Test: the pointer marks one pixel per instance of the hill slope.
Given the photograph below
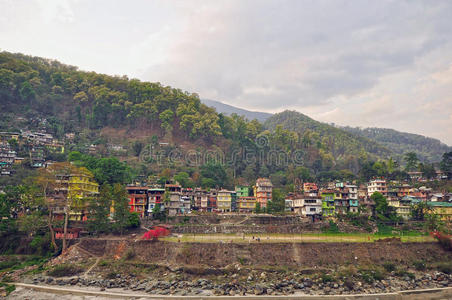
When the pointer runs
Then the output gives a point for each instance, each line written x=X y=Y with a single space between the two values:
x=340 y=142
x=229 y=110
x=426 y=148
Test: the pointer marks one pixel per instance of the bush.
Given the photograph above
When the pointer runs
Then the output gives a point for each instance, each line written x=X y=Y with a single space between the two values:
x=389 y=266
x=130 y=254
x=445 y=267
x=369 y=275
x=134 y=220
x=64 y=270
x=403 y=273
x=8 y=264
x=419 y=265
x=327 y=278
x=332 y=228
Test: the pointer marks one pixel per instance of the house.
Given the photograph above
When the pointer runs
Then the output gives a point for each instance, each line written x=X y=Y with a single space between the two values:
x=224 y=201
x=246 y=204
x=288 y=205
x=377 y=185
x=443 y=209
x=212 y=200
x=352 y=198
x=403 y=205
x=341 y=200
x=155 y=197
x=138 y=199
x=185 y=205
x=309 y=187
x=307 y=206
x=74 y=190
x=200 y=199
x=174 y=195
x=263 y=191
x=242 y=191
x=328 y=208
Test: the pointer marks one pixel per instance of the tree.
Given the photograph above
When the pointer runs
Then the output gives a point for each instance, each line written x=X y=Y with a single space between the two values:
x=7 y=207
x=446 y=164
x=419 y=210
x=121 y=208
x=277 y=204
x=411 y=161
x=137 y=148
x=53 y=183
x=215 y=172
x=428 y=170
x=257 y=208
x=99 y=210
x=383 y=211
x=184 y=179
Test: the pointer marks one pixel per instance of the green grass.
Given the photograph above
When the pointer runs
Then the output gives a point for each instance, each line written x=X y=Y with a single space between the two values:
x=291 y=238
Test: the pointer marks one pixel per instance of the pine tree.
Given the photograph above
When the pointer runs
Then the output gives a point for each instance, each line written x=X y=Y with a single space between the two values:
x=121 y=207
x=99 y=210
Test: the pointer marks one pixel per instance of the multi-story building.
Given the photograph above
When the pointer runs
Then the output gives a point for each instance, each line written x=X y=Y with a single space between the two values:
x=443 y=209
x=341 y=200
x=377 y=185
x=212 y=200
x=242 y=191
x=224 y=201
x=201 y=199
x=263 y=191
x=75 y=192
x=352 y=197
x=7 y=158
x=155 y=197
x=138 y=199
x=174 y=193
x=328 y=208
x=307 y=206
x=310 y=187
x=246 y=204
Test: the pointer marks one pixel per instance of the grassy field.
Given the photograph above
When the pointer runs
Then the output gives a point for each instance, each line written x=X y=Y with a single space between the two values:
x=292 y=238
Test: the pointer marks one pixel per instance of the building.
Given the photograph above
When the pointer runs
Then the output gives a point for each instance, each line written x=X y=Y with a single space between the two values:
x=7 y=158
x=138 y=199
x=443 y=209
x=310 y=187
x=200 y=200
x=242 y=191
x=246 y=204
x=352 y=198
x=307 y=206
x=328 y=208
x=212 y=200
x=377 y=185
x=155 y=197
x=73 y=191
x=263 y=191
x=341 y=200
x=224 y=201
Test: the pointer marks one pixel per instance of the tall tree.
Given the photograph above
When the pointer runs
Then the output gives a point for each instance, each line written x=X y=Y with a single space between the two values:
x=121 y=208
x=411 y=161
x=446 y=164
x=99 y=210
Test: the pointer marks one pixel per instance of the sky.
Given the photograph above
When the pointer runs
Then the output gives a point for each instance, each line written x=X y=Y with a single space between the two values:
x=358 y=63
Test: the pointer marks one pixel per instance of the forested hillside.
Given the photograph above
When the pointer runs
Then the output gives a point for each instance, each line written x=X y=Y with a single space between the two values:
x=164 y=130
x=427 y=149
x=229 y=110
x=340 y=142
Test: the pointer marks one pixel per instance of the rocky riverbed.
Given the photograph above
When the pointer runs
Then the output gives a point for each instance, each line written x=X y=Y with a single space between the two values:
x=250 y=287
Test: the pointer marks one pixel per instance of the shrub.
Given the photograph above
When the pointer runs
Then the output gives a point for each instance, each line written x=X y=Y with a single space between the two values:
x=403 y=273
x=8 y=264
x=327 y=278
x=419 y=265
x=130 y=254
x=110 y=275
x=389 y=266
x=133 y=220
x=445 y=267
x=64 y=270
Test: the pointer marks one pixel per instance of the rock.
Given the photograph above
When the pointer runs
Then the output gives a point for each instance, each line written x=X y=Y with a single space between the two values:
x=263 y=275
x=258 y=290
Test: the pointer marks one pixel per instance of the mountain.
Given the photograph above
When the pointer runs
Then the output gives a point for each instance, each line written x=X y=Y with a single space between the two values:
x=427 y=149
x=229 y=110
x=340 y=142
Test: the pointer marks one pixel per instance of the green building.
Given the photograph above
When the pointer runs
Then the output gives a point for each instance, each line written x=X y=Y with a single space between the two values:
x=328 y=208
x=242 y=191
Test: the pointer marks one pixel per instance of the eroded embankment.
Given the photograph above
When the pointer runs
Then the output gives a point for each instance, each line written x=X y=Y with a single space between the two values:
x=269 y=254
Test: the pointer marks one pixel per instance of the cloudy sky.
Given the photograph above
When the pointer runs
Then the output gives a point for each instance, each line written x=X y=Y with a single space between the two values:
x=359 y=63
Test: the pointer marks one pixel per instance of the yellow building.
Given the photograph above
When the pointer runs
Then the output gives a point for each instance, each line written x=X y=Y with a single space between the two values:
x=443 y=209
x=81 y=188
x=246 y=204
x=224 y=200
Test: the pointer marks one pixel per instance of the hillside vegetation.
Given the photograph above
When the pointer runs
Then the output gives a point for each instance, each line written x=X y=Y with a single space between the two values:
x=38 y=93
x=427 y=149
